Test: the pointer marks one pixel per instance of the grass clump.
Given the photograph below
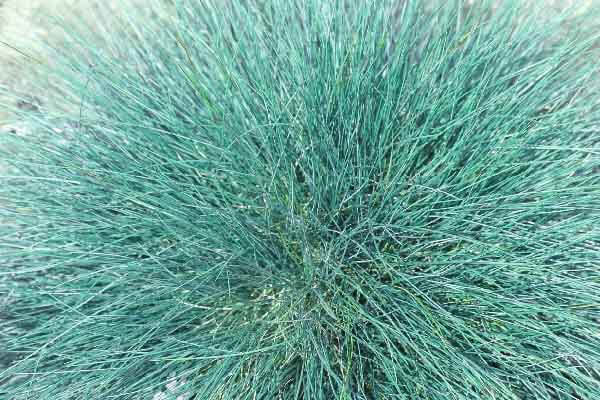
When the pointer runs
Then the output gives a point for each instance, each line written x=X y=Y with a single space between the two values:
x=307 y=200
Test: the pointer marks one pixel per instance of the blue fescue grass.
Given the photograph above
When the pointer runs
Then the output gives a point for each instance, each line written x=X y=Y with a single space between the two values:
x=307 y=200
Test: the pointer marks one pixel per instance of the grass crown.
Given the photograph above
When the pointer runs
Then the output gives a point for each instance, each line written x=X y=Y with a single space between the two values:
x=307 y=200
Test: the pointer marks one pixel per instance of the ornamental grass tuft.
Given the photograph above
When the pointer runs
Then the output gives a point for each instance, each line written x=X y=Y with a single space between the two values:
x=305 y=200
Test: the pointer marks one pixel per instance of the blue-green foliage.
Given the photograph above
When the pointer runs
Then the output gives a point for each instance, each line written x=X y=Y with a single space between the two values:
x=308 y=200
